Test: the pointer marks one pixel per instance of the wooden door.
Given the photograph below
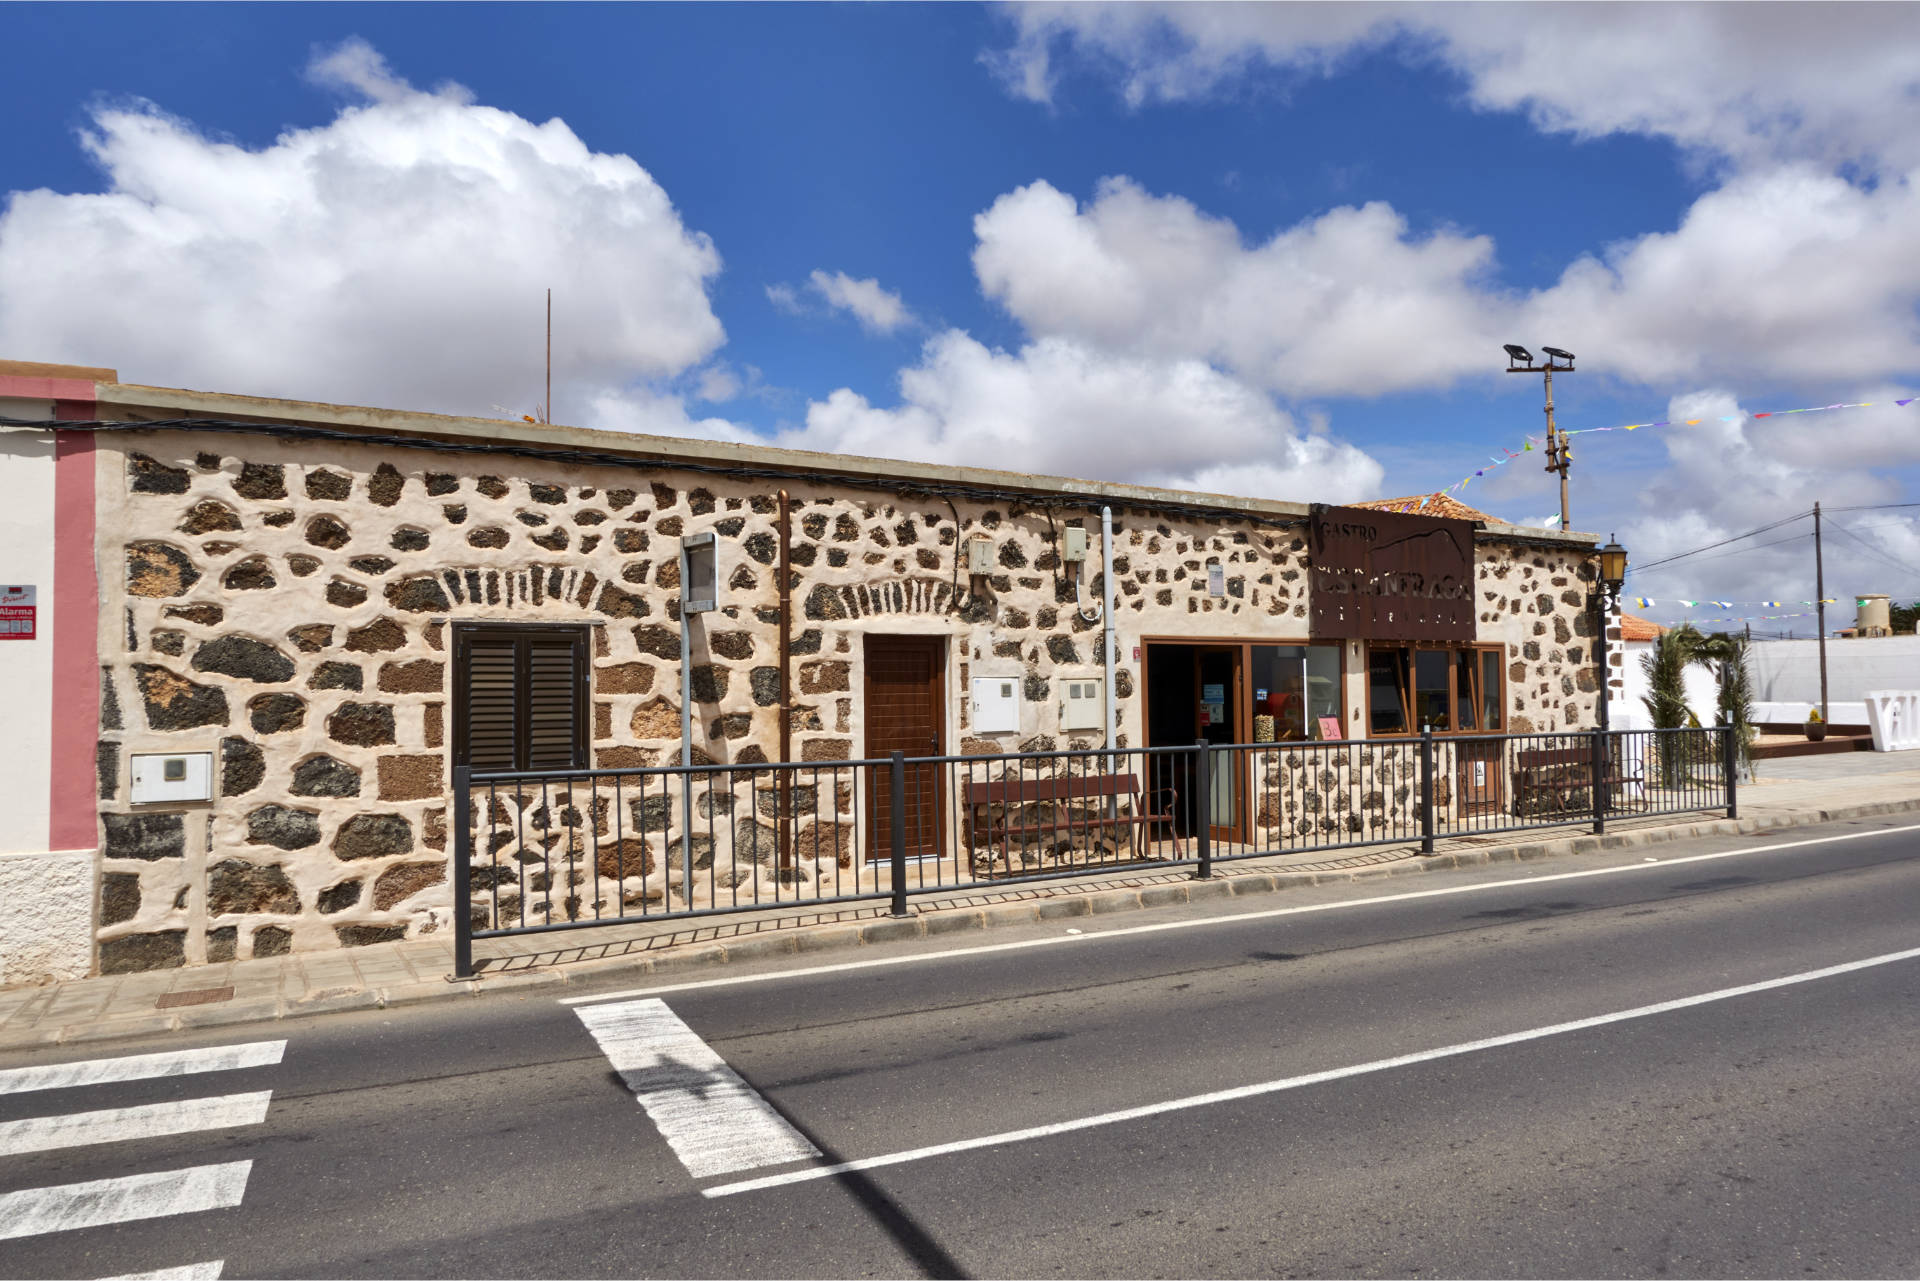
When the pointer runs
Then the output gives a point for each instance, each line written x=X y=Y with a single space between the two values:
x=904 y=713
x=1477 y=776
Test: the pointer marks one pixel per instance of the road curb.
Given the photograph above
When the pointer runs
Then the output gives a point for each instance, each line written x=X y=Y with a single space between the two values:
x=1065 y=902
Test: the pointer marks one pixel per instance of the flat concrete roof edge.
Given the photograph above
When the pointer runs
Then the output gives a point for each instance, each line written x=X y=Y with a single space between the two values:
x=668 y=449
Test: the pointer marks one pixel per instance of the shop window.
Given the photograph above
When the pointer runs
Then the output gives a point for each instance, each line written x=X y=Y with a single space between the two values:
x=520 y=696
x=1295 y=687
x=1446 y=690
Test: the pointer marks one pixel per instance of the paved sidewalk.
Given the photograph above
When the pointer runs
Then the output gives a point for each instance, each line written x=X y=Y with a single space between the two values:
x=395 y=974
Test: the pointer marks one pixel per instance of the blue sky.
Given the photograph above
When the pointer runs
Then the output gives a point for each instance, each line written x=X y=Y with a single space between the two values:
x=1261 y=250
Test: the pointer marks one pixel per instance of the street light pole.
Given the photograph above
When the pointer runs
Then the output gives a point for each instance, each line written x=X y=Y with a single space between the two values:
x=1613 y=574
x=1559 y=451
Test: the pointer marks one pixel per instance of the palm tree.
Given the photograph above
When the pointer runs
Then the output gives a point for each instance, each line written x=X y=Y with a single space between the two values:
x=1666 y=699
x=1734 y=703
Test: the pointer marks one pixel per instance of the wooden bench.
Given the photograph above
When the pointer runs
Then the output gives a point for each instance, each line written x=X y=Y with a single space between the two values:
x=1545 y=780
x=1003 y=813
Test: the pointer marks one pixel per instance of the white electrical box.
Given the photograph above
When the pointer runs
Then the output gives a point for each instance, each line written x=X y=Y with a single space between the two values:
x=1080 y=705
x=1076 y=544
x=979 y=556
x=172 y=776
x=699 y=574
x=996 y=704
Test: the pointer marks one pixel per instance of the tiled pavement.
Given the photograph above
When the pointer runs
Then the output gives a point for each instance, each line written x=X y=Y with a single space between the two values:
x=418 y=970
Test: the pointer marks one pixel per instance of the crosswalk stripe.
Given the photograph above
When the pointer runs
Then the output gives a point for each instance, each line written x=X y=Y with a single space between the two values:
x=72 y=1206
x=185 y=1272
x=715 y=1122
x=120 y=1125
x=140 y=1067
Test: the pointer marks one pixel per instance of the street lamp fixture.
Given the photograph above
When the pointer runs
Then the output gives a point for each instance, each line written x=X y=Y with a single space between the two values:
x=1521 y=357
x=1613 y=574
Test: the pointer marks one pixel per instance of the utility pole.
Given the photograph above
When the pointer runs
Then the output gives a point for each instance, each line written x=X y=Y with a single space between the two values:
x=1820 y=608
x=547 y=412
x=1559 y=450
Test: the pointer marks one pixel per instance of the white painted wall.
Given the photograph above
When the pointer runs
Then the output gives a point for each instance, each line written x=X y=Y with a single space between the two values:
x=26 y=667
x=1627 y=711
x=1788 y=671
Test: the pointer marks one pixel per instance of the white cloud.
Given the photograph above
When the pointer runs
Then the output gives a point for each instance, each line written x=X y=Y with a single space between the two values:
x=1748 y=82
x=787 y=299
x=1063 y=407
x=878 y=310
x=397 y=255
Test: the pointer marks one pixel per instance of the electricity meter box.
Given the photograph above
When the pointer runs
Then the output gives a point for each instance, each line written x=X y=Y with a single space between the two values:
x=979 y=556
x=1081 y=704
x=171 y=776
x=1076 y=544
x=700 y=576
x=996 y=704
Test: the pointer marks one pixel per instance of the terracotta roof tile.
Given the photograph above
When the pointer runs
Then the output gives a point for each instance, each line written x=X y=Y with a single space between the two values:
x=1435 y=504
x=1634 y=628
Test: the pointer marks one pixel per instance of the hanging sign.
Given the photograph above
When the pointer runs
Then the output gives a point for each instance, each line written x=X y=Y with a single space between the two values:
x=1389 y=576
x=18 y=613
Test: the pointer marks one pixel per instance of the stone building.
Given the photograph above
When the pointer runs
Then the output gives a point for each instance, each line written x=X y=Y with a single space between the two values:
x=306 y=598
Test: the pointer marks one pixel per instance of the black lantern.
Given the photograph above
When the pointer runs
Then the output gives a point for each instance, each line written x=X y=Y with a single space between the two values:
x=1613 y=573
x=1613 y=568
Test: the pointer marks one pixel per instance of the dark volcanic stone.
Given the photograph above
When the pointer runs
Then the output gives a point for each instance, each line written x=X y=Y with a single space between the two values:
x=235 y=886
x=328 y=532
x=272 y=940
x=106 y=768
x=119 y=897
x=242 y=766
x=165 y=950
x=222 y=943
x=311 y=638
x=385 y=485
x=361 y=724
x=374 y=565
x=251 y=575
x=491 y=486
x=403 y=880
x=708 y=683
x=409 y=540
x=146 y=476
x=338 y=898
x=283 y=828
x=244 y=658
x=347 y=595
x=173 y=644
x=422 y=595
x=439 y=482
x=373 y=836
x=209 y=516
x=366 y=935
x=173 y=702
x=549 y=494
x=1061 y=649
x=333 y=486
x=261 y=481
x=626 y=539
x=332 y=675
x=765 y=683
x=159 y=569
x=276 y=713
x=277 y=519
x=380 y=636
x=324 y=776
x=456 y=513
x=762 y=547
x=824 y=604
x=731 y=644
x=145 y=836
x=301 y=565
x=204 y=615
x=658 y=640
x=487 y=536
x=554 y=540
x=616 y=603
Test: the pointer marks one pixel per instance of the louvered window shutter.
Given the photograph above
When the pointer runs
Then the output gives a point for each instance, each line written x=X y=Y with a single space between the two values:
x=520 y=697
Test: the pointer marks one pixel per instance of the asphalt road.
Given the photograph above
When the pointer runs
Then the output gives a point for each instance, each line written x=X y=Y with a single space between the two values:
x=1770 y=1132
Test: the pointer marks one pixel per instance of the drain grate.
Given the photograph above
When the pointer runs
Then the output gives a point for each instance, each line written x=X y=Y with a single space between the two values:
x=198 y=996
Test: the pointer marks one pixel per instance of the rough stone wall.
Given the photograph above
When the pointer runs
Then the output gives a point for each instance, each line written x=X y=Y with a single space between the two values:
x=1536 y=603
x=282 y=604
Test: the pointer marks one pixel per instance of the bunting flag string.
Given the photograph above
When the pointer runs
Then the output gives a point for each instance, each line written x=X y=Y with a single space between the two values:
x=1531 y=441
x=1647 y=602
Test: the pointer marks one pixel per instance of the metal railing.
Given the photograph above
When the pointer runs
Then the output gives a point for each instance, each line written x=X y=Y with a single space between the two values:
x=569 y=849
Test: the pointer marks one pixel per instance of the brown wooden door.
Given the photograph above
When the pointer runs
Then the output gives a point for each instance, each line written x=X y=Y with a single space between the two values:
x=1220 y=711
x=1477 y=775
x=904 y=709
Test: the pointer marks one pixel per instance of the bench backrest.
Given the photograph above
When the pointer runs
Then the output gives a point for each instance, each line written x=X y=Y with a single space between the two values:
x=1561 y=756
x=1065 y=787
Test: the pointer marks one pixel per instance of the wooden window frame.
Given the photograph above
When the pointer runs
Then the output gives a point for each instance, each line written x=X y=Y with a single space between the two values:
x=461 y=634
x=1243 y=701
x=1453 y=687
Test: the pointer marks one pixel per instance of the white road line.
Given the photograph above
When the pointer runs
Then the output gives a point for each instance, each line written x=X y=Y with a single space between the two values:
x=185 y=1272
x=138 y=1196
x=140 y=1067
x=122 y=1125
x=715 y=1122
x=1204 y=922
x=1295 y=1082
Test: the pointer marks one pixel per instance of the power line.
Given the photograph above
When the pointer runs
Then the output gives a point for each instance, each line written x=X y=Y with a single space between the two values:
x=1882 y=554
x=1668 y=560
x=1782 y=542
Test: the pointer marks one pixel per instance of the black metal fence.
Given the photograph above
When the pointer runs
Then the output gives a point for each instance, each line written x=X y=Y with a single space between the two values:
x=568 y=849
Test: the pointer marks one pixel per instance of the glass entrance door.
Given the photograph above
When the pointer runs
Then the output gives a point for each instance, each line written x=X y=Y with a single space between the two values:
x=1217 y=698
